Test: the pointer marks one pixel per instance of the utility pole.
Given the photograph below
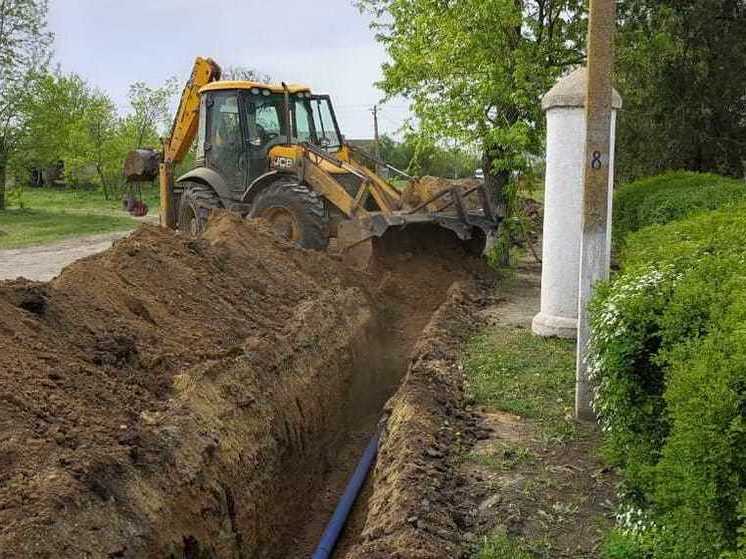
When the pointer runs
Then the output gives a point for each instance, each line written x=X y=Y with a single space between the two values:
x=594 y=246
x=377 y=137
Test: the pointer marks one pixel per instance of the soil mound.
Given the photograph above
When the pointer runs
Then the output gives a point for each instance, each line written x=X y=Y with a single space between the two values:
x=174 y=397
x=145 y=382
x=417 y=508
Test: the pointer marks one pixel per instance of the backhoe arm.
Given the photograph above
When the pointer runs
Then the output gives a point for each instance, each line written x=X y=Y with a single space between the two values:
x=183 y=131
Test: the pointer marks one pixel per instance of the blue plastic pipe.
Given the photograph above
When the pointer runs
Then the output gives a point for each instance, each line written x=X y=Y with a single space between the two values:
x=336 y=524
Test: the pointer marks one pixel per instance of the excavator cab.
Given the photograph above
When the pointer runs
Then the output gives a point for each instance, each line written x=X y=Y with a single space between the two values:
x=242 y=125
x=276 y=152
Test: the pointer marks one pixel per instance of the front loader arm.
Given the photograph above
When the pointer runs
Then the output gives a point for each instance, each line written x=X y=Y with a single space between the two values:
x=183 y=131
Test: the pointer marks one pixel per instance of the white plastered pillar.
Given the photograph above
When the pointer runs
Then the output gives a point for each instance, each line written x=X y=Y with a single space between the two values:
x=563 y=204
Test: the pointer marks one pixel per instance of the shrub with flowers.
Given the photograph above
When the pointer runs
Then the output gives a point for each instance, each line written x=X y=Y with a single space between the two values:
x=668 y=363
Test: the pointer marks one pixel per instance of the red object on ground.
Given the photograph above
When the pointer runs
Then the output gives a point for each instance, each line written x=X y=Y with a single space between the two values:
x=139 y=209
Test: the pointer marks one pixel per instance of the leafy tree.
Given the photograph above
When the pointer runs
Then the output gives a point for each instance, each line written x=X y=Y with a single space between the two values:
x=67 y=120
x=150 y=110
x=242 y=73
x=52 y=111
x=24 y=50
x=474 y=70
x=682 y=73
x=418 y=156
x=107 y=145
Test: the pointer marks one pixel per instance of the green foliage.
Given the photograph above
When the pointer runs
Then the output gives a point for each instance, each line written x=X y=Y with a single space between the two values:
x=67 y=120
x=419 y=157
x=670 y=196
x=475 y=69
x=43 y=215
x=24 y=52
x=668 y=359
x=681 y=71
x=500 y=547
x=150 y=112
x=629 y=382
x=623 y=545
x=716 y=233
x=517 y=372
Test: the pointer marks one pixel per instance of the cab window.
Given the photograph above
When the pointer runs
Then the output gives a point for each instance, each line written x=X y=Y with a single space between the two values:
x=268 y=117
x=325 y=124
x=304 y=131
x=225 y=125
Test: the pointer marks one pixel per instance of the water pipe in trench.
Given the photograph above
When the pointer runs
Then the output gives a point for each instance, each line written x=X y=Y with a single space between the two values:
x=342 y=512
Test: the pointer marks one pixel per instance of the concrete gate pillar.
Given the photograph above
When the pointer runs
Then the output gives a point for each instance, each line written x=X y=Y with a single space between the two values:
x=563 y=203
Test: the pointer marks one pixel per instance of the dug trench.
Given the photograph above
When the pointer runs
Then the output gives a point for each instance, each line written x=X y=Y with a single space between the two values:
x=208 y=398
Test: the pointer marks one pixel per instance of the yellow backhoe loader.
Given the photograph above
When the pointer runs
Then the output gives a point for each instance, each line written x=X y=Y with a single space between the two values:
x=276 y=152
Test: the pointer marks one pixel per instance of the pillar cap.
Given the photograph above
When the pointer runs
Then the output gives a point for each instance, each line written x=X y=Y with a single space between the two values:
x=571 y=90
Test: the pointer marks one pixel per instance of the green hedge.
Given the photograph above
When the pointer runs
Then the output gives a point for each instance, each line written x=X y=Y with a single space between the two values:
x=665 y=198
x=668 y=359
x=716 y=232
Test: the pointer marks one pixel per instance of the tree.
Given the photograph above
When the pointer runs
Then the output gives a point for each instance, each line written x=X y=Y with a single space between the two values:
x=52 y=112
x=418 y=156
x=24 y=51
x=67 y=120
x=242 y=73
x=150 y=110
x=101 y=146
x=682 y=73
x=474 y=70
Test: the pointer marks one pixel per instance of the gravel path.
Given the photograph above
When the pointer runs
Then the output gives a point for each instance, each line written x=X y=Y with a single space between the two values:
x=42 y=263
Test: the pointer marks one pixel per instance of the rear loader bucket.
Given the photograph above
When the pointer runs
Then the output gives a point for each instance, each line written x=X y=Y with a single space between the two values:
x=141 y=165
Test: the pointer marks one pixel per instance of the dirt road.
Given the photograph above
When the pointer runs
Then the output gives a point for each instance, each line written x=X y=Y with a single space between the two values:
x=42 y=263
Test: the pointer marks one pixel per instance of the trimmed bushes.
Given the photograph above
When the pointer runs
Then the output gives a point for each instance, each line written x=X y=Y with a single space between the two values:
x=668 y=361
x=665 y=198
x=717 y=232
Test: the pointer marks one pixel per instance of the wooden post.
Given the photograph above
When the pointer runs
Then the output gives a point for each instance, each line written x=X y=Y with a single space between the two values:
x=593 y=253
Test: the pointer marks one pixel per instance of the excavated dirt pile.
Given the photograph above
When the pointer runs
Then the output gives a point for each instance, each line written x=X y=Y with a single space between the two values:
x=148 y=390
x=182 y=398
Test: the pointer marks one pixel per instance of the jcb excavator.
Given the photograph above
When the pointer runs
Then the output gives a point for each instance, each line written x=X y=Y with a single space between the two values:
x=276 y=152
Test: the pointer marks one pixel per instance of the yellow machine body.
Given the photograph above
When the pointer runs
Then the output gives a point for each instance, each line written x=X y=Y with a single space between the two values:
x=361 y=205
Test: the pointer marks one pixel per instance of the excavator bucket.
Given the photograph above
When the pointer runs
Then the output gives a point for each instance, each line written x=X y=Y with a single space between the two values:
x=355 y=244
x=376 y=211
x=363 y=240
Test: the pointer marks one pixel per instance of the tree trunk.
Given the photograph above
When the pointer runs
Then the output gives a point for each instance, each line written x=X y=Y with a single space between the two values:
x=495 y=183
x=3 y=168
x=102 y=178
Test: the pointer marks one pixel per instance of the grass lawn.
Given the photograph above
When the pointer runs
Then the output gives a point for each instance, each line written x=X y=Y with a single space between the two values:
x=541 y=465
x=47 y=215
x=513 y=371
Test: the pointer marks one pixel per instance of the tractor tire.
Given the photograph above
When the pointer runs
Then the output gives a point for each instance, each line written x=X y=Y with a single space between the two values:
x=294 y=212
x=195 y=204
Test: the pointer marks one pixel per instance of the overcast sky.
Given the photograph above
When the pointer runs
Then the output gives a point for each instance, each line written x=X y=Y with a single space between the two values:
x=326 y=44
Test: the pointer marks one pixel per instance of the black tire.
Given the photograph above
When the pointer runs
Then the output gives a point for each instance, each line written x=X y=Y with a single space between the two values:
x=195 y=204
x=294 y=212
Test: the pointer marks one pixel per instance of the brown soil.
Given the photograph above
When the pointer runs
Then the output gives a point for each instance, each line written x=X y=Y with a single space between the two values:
x=416 y=505
x=177 y=398
x=428 y=187
x=415 y=275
